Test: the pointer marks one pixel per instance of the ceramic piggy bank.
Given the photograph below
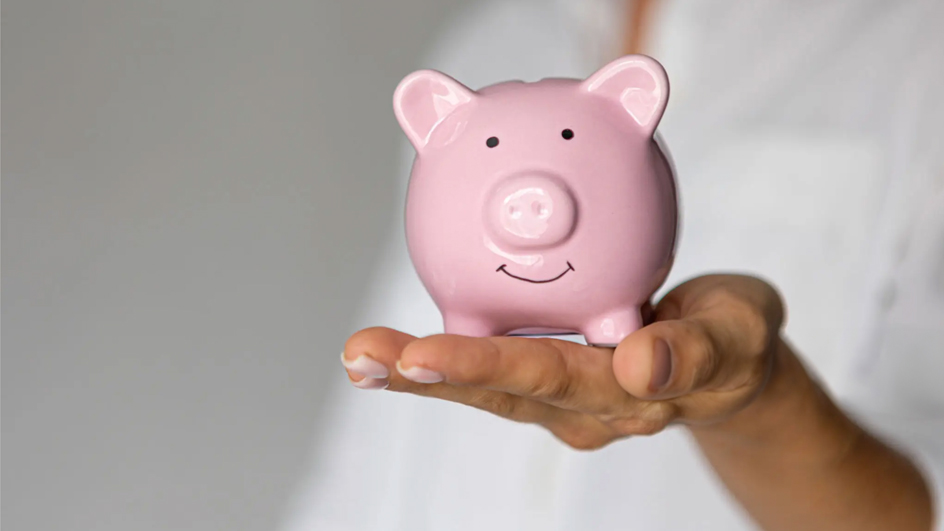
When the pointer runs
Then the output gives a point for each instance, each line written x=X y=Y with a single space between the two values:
x=540 y=208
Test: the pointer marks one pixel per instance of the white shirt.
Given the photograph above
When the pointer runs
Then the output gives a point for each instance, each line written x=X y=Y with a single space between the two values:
x=807 y=138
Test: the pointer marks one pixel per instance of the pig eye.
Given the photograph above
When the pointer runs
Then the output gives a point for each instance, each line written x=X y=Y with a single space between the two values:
x=567 y=134
x=492 y=141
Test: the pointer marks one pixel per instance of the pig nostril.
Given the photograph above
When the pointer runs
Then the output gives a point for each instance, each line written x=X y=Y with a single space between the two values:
x=530 y=211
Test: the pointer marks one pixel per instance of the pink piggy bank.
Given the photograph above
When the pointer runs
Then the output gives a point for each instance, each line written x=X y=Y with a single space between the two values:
x=540 y=208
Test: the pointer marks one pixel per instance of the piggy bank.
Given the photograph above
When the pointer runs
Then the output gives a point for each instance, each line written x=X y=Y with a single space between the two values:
x=540 y=208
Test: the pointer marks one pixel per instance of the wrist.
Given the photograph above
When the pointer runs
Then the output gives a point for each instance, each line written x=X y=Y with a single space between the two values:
x=792 y=413
x=795 y=461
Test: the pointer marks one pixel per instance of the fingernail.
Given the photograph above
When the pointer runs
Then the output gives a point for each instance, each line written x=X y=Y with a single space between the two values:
x=371 y=383
x=420 y=375
x=661 y=365
x=365 y=366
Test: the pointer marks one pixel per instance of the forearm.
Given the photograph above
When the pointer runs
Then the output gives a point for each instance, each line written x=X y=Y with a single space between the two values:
x=795 y=462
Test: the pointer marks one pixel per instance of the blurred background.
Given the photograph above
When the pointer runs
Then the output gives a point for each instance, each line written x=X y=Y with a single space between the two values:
x=193 y=194
x=197 y=196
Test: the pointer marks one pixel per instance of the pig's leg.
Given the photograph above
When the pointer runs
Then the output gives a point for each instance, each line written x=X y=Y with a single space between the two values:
x=469 y=326
x=610 y=328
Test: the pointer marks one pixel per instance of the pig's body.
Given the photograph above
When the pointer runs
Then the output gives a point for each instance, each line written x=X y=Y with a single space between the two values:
x=566 y=222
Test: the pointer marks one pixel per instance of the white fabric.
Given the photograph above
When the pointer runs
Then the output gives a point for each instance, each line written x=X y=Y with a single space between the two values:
x=807 y=138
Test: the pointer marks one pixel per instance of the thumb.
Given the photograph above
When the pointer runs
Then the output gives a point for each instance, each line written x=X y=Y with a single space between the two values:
x=673 y=358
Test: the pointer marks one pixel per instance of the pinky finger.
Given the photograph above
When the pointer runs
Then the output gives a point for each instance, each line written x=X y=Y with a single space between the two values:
x=577 y=430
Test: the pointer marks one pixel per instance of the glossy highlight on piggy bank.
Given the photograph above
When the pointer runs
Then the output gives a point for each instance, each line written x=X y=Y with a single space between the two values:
x=545 y=207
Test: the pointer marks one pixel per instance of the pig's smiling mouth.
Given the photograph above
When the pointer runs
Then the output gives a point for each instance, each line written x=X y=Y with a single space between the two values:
x=505 y=271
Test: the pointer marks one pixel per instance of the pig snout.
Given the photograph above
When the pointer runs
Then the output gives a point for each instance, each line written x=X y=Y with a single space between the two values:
x=530 y=211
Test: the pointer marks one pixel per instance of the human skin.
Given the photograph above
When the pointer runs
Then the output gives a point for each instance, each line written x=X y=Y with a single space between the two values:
x=713 y=360
x=772 y=434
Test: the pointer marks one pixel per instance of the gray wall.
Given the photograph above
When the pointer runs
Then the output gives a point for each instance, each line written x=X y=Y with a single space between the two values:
x=192 y=194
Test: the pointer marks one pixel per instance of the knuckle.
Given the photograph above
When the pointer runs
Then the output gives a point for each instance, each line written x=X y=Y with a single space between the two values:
x=503 y=405
x=757 y=332
x=749 y=318
x=581 y=439
x=556 y=383
x=721 y=297
x=634 y=426
x=639 y=426
x=559 y=388
x=649 y=421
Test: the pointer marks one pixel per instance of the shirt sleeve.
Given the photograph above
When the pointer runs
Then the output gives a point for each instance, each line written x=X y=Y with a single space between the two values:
x=896 y=392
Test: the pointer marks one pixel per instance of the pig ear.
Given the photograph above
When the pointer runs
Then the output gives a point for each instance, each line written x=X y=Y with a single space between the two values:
x=423 y=100
x=638 y=84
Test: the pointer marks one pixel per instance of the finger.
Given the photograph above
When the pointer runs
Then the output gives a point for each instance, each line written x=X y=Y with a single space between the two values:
x=560 y=373
x=383 y=346
x=370 y=356
x=720 y=341
x=577 y=429
x=710 y=291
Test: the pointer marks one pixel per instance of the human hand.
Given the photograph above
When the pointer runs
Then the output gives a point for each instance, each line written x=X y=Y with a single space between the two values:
x=707 y=353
